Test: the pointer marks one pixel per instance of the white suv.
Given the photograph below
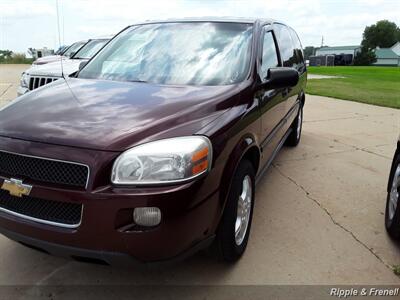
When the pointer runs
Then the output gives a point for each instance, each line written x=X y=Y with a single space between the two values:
x=39 y=75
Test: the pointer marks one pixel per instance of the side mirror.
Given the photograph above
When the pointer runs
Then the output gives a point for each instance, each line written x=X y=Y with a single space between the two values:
x=82 y=64
x=281 y=78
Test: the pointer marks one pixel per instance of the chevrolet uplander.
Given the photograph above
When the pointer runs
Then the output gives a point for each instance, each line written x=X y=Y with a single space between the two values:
x=151 y=151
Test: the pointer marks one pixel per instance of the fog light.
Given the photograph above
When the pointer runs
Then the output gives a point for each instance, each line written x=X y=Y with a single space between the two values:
x=147 y=216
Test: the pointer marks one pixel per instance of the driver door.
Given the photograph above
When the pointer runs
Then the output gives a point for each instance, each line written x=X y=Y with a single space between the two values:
x=272 y=101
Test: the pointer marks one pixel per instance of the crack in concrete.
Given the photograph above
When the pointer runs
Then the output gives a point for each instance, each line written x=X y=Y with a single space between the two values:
x=331 y=153
x=336 y=223
x=383 y=145
x=354 y=148
x=335 y=140
x=371 y=152
x=335 y=119
x=361 y=149
x=315 y=156
x=361 y=117
x=5 y=91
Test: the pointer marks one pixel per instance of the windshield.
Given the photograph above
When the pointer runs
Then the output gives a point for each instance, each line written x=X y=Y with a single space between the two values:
x=73 y=48
x=197 y=53
x=90 y=49
x=61 y=50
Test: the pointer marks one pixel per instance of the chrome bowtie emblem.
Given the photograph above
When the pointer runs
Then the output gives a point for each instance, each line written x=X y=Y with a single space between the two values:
x=16 y=188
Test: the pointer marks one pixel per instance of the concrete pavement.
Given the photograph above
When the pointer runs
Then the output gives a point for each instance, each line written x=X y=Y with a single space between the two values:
x=9 y=81
x=318 y=215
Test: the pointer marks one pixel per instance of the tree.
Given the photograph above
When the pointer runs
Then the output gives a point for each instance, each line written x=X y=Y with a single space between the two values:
x=365 y=58
x=20 y=58
x=383 y=34
x=308 y=51
x=5 y=55
x=9 y=57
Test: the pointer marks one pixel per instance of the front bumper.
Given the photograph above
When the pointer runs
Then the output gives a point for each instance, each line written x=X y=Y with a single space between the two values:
x=101 y=257
x=190 y=212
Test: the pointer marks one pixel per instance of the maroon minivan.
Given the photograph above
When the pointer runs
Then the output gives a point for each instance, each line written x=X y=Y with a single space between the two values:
x=151 y=151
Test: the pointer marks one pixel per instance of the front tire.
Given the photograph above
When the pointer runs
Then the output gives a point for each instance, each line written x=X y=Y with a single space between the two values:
x=392 y=213
x=234 y=230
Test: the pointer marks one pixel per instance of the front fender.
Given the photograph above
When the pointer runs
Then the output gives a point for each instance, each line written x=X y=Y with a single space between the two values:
x=246 y=142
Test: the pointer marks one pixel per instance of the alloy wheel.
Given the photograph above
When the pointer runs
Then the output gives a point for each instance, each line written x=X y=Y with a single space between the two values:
x=243 y=210
x=394 y=193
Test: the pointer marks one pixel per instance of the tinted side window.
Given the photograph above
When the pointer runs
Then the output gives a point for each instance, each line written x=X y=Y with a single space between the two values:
x=288 y=53
x=298 y=49
x=269 y=56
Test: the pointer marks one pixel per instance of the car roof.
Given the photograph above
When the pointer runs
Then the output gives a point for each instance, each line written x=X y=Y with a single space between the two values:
x=82 y=41
x=105 y=37
x=94 y=39
x=211 y=19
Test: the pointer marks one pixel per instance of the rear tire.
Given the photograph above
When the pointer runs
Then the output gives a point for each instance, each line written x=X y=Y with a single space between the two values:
x=392 y=213
x=294 y=137
x=234 y=229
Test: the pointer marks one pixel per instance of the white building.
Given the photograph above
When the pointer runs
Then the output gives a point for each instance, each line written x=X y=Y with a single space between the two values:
x=353 y=50
x=384 y=56
x=38 y=53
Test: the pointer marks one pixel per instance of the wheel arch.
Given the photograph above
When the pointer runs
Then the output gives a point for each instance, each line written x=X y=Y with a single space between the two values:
x=246 y=148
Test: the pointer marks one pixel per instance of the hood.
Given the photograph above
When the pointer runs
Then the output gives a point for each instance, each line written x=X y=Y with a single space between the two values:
x=53 y=69
x=109 y=115
x=48 y=59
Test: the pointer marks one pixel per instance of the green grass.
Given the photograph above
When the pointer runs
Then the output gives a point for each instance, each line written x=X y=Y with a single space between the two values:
x=17 y=61
x=396 y=270
x=372 y=85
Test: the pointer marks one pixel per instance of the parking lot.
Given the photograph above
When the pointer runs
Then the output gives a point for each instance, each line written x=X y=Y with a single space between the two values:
x=319 y=215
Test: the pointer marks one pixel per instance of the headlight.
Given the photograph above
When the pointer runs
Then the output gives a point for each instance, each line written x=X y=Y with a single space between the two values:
x=164 y=161
x=24 y=82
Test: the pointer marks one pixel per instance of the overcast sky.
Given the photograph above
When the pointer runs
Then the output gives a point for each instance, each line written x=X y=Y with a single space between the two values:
x=33 y=23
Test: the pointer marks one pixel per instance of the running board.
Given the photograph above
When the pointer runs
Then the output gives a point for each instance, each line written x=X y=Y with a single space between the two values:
x=274 y=154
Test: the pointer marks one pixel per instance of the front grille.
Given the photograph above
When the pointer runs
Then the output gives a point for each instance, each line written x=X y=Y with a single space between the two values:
x=40 y=210
x=38 y=81
x=44 y=170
